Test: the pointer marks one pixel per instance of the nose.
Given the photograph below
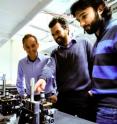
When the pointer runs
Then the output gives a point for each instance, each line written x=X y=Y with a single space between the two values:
x=30 y=49
x=55 y=37
x=82 y=23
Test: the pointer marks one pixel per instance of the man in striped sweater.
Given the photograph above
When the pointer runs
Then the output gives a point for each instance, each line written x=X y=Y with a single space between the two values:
x=96 y=17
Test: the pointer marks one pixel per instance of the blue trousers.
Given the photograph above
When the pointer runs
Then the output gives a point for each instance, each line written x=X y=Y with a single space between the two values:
x=106 y=115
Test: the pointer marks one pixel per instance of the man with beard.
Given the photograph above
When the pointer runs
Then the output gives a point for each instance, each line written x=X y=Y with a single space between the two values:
x=73 y=67
x=96 y=17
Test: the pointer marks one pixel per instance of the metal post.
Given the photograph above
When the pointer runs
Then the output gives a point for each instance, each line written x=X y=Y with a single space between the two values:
x=4 y=84
x=32 y=84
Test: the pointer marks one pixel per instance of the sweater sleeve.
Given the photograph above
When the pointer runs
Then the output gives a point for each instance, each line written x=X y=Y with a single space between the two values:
x=49 y=69
x=48 y=74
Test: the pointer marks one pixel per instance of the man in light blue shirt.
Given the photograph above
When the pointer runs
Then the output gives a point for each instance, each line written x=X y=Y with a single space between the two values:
x=33 y=66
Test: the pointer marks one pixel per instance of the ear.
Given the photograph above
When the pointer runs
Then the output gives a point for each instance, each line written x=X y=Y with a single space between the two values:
x=24 y=47
x=37 y=45
x=67 y=29
x=100 y=9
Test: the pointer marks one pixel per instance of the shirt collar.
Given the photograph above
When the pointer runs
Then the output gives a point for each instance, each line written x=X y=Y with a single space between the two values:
x=105 y=26
x=71 y=42
x=39 y=57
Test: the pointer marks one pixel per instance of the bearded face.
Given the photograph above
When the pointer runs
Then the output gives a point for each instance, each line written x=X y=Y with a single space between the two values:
x=60 y=34
x=89 y=19
x=60 y=40
x=94 y=26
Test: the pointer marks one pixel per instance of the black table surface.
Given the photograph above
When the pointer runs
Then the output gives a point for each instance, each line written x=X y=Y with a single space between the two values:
x=63 y=118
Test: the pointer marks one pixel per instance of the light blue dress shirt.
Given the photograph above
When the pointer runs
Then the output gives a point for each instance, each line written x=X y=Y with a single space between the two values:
x=28 y=70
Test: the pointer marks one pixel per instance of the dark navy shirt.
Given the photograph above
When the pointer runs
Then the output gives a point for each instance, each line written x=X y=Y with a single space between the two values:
x=72 y=66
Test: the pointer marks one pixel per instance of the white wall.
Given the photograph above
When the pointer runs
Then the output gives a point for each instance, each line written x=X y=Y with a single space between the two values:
x=10 y=53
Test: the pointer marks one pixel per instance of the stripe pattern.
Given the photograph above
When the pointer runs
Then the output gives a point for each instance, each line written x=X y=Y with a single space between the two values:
x=105 y=59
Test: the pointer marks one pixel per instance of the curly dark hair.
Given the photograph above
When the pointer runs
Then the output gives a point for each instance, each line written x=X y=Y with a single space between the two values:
x=83 y=4
x=60 y=20
x=28 y=36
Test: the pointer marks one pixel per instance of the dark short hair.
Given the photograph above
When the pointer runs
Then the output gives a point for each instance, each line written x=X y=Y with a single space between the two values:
x=83 y=4
x=60 y=20
x=28 y=36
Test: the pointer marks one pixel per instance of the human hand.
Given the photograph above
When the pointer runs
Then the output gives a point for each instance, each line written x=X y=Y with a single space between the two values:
x=24 y=96
x=53 y=98
x=90 y=93
x=40 y=85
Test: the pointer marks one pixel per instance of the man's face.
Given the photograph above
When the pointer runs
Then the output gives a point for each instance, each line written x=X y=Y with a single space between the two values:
x=89 y=20
x=59 y=34
x=31 y=46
